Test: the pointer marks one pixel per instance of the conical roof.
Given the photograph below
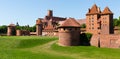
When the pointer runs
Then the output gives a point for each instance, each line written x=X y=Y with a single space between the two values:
x=107 y=11
x=94 y=10
x=12 y=25
x=39 y=21
x=71 y=22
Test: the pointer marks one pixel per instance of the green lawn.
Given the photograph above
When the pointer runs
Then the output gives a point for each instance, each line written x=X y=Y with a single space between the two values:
x=34 y=47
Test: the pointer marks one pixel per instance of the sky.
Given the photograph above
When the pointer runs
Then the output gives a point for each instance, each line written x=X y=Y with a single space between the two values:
x=25 y=12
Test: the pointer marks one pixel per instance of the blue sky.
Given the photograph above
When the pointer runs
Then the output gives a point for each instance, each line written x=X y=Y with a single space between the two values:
x=27 y=11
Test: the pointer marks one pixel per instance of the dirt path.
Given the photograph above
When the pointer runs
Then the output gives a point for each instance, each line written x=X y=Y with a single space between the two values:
x=46 y=48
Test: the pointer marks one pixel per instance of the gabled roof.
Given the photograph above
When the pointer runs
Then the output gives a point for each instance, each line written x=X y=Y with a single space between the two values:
x=107 y=11
x=94 y=10
x=71 y=22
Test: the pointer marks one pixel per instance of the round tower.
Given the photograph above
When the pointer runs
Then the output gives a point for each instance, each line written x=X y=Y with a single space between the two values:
x=11 y=30
x=38 y=27
x=18 y=32
x=69 y=33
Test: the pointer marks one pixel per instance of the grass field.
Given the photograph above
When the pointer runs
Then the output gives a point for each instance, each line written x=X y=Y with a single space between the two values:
x=34 y=47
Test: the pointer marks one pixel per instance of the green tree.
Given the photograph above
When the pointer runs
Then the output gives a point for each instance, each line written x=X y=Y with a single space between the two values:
x=3 y=29
x=83 y=26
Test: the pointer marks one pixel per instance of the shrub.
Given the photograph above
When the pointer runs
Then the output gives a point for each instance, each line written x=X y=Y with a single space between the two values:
x=85 y=39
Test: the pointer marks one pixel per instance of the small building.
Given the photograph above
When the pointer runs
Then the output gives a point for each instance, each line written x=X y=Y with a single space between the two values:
x=11 y=30
x=69 y=33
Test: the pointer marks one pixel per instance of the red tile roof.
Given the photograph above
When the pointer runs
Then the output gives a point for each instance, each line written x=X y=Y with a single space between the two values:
x=107 y=11
x=12 y=25
x=71 y=22
x=94 y=10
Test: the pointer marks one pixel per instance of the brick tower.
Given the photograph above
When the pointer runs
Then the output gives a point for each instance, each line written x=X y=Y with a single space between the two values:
x=107 y=21
x=11 y=30
x=92 y=20
x=39 y=27
x=69 y=33
x=50 y=13
x=98 y=22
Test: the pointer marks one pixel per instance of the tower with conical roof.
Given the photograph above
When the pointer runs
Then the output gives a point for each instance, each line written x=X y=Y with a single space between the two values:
x=69 y=33
x=107 y=21
x=92 y=20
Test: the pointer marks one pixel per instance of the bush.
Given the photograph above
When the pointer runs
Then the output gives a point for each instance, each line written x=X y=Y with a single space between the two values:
x=85 y=38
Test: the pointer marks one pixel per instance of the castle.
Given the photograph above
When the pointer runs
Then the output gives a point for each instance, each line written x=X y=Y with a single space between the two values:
x=99 y=23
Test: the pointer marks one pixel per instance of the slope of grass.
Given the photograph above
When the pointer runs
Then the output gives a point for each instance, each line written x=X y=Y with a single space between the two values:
x=18 y=54
x=34 y=47
x=23 y=41
x=89 y=52
x=10 y=47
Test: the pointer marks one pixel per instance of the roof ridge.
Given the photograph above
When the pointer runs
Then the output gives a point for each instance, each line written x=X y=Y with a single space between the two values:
x=107 y=11
x=71 y=22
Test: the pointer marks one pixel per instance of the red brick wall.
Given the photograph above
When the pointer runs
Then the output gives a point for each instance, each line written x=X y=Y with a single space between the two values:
x=108 y=41
x=92 y=23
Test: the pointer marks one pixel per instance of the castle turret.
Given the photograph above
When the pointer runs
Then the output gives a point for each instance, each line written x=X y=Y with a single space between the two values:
x=39 y=27
x=11 y=30
x=107 y=22
x=69 y=33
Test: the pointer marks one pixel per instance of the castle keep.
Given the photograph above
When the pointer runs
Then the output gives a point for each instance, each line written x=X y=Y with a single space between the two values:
x=48 y=24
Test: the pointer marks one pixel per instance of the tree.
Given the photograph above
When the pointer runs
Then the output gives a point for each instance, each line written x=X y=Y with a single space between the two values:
x=17 y=24
x=3 y=29
x=116 y=22
x=83 y=26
